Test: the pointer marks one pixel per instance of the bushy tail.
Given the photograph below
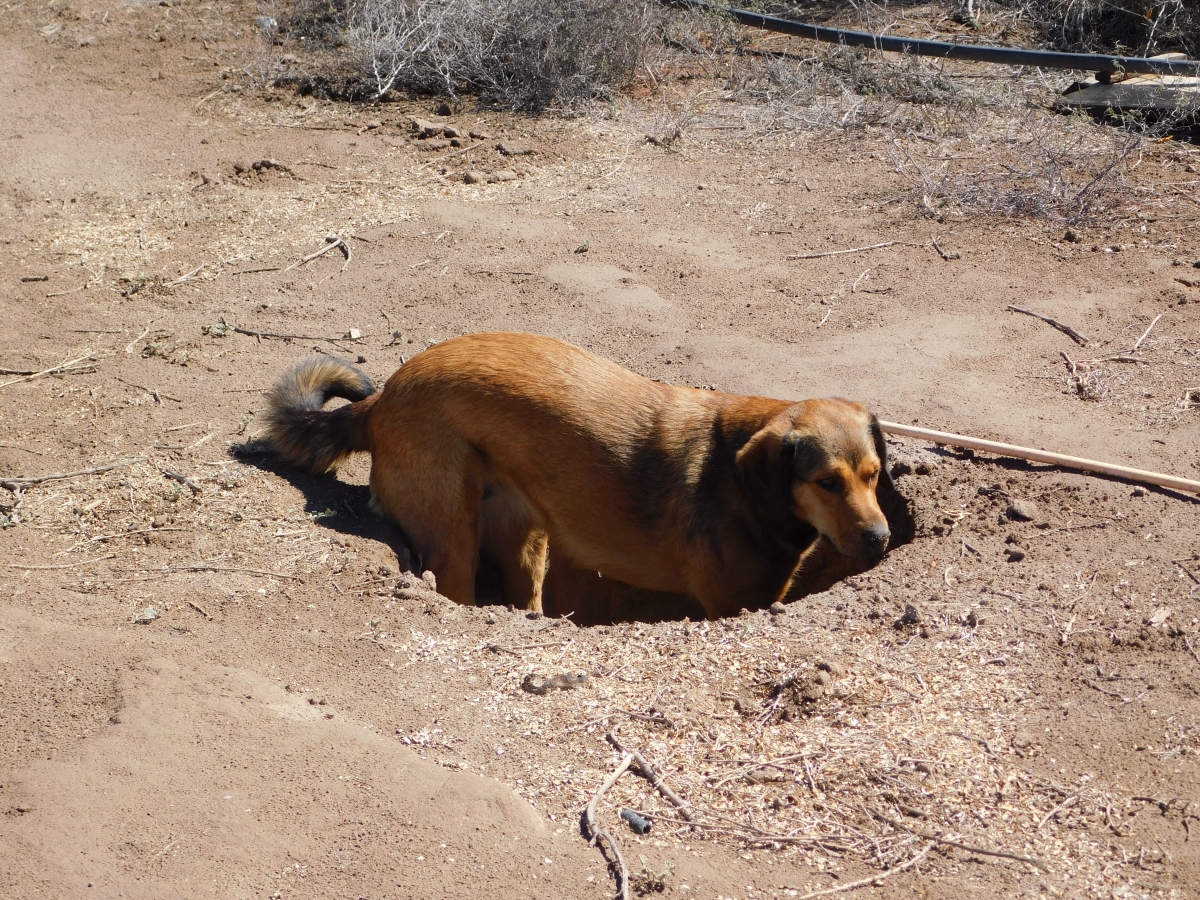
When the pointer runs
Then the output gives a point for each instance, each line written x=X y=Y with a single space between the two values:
x=302 y=431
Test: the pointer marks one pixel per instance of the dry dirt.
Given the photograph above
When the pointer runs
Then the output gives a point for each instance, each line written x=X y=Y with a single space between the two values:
x=302 y=720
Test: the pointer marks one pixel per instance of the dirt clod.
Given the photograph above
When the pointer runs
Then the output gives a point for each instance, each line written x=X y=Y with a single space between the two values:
x=1022 y=511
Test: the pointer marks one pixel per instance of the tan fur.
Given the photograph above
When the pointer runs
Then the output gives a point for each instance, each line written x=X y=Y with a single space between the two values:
x=514 y=444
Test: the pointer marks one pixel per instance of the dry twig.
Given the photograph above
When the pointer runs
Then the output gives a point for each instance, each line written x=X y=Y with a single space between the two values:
x=182 y=479
x=1065 y=329
x=332 y=241
x=851 y=250
x=1145 y=334
x=653 y=777
x=30 y=376
x=595 y=833
x=17 y=484
x=863 y=882
x=287 y=337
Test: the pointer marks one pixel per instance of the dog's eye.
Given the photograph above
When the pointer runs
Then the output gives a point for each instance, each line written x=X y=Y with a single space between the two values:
x=832 y=483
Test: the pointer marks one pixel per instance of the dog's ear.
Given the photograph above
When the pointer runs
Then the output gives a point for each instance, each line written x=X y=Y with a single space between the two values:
x=881 y=451
x=765 y=469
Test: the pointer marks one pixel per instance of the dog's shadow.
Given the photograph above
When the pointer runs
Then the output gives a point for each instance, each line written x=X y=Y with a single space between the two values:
x=344 y=508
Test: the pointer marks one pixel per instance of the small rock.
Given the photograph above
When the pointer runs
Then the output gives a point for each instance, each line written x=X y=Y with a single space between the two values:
x=430 y=580
x=456 y=142
x=146 y=616
x=1022 y=511
x=444 y=109
x=502 y=175
x=355 y=334
x=419 y=126
x=970 y=619
x=1160 y=616
x=480 y=135
x=514 y=149
x=159 y=522
x=372 y=125
x=1013 y=538
x=473 y=177
x=1139 y=491
x=490 y=618
x=533 y=614
x=1196 y=264
x=1071 y=237
x=1015 y=554
x=386 y=571
x=23 y=808
x=266 y=23
x=435 y=145
x=777 y=609
x=451 y=132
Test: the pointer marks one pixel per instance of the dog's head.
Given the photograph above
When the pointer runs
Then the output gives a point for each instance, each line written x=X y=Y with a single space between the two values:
x=820 y=461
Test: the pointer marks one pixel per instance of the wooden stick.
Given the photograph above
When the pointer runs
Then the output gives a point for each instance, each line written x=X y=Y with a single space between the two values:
x=286 y=337
x=1065 y=329
x=50 y=371
x=951 y=842
x=863 y=882
x=1145 y=334
x=851 y=250
x=1043 y=456
x=336 y=242
x=183 y=479
x=652 y=776
x=16 y=484
x=595 y=833
x=173 y=569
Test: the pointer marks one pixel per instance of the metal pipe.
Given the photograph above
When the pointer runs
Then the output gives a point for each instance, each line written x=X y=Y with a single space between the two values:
x=941 y=49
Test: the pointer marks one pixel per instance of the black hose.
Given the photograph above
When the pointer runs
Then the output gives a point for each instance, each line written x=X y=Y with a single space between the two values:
x=941 y=49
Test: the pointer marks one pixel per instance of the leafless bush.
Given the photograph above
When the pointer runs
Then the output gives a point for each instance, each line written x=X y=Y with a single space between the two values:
x=523 y=54
x=1042 y=169
x=1144 y=27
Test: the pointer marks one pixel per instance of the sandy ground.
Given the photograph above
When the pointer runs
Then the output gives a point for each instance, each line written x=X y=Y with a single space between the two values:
x=303 y=720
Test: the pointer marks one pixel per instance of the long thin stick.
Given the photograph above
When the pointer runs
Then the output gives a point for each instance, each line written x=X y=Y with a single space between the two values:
x=595 y=833
x=60 y=367
x=851 y=250
x=951 y=842
x=1065 y=329
x=1145 y=334
x=656 y=780
x=287 y=337
x=16 y=484
x=863 y=882
x=1043 y=456
x=337 y=242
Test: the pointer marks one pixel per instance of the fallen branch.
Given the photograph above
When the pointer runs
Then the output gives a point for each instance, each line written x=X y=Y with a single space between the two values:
x=200 y=609
x=1043 y=456
x=951 y=842
x=52 y=370
x=75 y=565
x=183 y=278
x=287 y=337
x=863 y=882
x=17 y=484
x=851 y=250
x=1145 y=334
x=332 y=241
x=175 y=569
x=1065 y=329
x=595 y=833
x=656 y=780
x=64 y=369
x=183 y=479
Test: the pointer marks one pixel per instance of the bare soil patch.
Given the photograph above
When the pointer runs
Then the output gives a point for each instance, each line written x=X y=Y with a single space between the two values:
x=300 y=718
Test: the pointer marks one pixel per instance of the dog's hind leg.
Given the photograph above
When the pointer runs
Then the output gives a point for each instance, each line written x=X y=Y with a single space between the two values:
x=436 y=503
x=514 y=540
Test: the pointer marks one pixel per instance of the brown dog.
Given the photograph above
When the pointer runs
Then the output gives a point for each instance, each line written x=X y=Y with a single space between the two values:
x=502 y=443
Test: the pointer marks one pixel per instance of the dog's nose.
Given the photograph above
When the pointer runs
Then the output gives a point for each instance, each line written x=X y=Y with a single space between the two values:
x=875 y=539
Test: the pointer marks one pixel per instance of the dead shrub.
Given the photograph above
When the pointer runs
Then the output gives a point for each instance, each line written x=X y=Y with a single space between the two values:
x=521 y=54
x=1133 y=27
